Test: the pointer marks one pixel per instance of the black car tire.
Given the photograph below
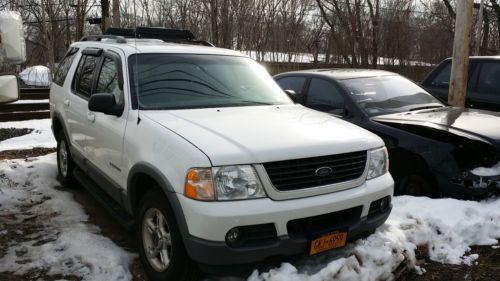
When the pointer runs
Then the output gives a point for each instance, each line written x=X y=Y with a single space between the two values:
x=65 y=163
x=416 y=185
x=180 y=266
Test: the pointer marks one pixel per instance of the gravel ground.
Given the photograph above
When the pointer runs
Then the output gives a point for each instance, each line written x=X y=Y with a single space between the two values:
x=486 y=268
x=21 y=154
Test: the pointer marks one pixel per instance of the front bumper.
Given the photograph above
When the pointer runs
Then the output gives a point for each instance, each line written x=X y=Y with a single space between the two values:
x=209 y=222
x=469 y=186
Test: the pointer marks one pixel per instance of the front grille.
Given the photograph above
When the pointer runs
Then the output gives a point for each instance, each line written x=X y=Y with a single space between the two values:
x=301 y=173
x=323 y=223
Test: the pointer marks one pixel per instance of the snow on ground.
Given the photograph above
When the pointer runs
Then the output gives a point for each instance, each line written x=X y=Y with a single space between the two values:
x=40 y=137
x=309 y=58
x=67 y=244
x=30 y=101
x=64 y=242
x=447 y=227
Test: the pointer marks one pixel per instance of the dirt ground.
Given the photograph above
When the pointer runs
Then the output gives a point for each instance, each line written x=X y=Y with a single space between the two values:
x=487 y=266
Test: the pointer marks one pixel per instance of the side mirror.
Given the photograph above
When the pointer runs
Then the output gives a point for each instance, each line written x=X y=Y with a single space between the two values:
x=9 y=88
x=105 y=103
x=340 y=112
x=292 y=95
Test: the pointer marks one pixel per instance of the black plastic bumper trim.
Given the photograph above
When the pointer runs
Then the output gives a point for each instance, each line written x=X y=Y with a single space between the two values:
x=218 y=253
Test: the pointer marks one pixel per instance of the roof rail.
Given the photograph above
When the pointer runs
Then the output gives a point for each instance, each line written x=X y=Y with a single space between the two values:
x=164 y=34
x=119 y=39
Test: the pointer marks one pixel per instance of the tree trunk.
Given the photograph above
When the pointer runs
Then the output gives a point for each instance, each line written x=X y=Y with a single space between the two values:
x=104 y=15
x=116 y=13
x=461 y=48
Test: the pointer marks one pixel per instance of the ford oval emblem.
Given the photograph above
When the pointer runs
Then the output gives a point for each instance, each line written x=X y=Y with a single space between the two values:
x=323 y=171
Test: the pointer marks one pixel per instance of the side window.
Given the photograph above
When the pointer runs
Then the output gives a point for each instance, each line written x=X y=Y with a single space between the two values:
x=488 y=81
x=85 y=74
x=108 y=80
x=324 y=96
x=442 y=79
x=64 y=66
x=292 y=83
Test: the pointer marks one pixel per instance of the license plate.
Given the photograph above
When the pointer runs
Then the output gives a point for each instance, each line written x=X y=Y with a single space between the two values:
x=327 y=242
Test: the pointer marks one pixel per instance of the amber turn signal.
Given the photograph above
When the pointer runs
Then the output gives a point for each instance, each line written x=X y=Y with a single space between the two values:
x=199 y=184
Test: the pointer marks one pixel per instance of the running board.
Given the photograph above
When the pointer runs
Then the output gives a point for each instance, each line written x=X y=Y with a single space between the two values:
x=106 y=201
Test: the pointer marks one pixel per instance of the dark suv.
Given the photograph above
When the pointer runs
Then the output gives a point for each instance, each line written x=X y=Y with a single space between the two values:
x=483 y=89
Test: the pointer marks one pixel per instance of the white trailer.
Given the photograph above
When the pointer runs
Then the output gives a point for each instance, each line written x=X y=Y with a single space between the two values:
x=12 y=51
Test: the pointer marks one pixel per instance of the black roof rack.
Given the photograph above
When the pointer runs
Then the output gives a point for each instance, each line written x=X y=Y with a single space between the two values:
x=119 y=39
x=164 y=34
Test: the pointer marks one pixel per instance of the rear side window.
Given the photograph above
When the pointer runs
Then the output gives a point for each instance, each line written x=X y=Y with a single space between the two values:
x=442 y=79
x=64 y=66
x=84 y=75
x=324 y=96
x=489 y=78
x=292 y=83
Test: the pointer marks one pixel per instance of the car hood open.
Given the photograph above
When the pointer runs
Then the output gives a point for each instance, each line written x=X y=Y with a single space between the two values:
x=259 y=134
x=481 y=124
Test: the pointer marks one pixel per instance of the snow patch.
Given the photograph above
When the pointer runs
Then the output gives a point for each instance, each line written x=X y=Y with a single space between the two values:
x=446 y=227
x=66 y=243
x=487 y=172
x=40 y=137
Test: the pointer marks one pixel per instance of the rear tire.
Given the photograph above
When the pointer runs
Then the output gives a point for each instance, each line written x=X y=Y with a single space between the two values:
x=161 y=247
x=65 y=163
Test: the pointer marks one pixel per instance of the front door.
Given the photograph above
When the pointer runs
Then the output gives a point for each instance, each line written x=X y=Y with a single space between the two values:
x=106 y=132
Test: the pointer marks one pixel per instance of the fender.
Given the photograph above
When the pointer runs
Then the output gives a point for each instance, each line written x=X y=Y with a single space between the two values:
x=151 y=171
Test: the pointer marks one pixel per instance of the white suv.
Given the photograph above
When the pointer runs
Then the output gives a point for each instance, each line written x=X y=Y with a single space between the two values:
x=210 y=160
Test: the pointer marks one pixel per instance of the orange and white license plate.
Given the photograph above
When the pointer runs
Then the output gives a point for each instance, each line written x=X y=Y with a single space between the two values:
x=327 y=242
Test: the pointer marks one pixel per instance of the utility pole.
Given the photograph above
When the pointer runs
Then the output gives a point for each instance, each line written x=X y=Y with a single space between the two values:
x=479 y=29
x=461 y=49
x=105 y=15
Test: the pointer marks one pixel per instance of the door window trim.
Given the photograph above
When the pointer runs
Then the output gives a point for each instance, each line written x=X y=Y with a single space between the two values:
x=87 y=52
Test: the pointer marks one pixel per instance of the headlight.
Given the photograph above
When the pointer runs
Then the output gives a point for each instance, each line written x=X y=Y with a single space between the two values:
x=224 y=183
x=378 y=163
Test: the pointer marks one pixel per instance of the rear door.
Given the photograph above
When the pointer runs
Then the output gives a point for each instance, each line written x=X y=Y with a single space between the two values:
x=485 y=86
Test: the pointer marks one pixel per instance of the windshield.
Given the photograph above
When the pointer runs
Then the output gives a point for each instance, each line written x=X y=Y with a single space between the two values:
x=181 y=81
x=389 y=94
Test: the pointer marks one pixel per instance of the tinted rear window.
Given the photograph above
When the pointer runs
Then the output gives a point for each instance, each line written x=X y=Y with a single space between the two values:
x=64 y=66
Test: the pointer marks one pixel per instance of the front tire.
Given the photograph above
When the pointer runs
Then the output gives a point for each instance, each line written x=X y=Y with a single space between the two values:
x=161 y=247
x=65 y=163
x=416 y=185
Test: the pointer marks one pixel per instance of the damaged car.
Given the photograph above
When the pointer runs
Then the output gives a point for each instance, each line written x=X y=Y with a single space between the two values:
x=435 y=150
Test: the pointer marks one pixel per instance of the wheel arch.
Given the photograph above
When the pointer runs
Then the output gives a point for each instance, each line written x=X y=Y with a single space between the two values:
x=58 y=125
x=144 y=177
x=415 y=164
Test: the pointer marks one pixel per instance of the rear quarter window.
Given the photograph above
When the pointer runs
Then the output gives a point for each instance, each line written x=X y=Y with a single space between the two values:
x=64 y=66
x=294 y=83
x=442 y=79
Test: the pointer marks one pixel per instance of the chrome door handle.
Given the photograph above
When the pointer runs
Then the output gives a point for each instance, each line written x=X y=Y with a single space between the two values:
x=66 y=102
x=91 y=117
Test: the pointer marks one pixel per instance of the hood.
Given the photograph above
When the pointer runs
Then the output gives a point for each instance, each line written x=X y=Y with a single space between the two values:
x=481 y=124
x=259 y=134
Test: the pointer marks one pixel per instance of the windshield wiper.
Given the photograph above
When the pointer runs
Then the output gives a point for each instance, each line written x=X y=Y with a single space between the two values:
x=254 y=102
x=425 y=107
